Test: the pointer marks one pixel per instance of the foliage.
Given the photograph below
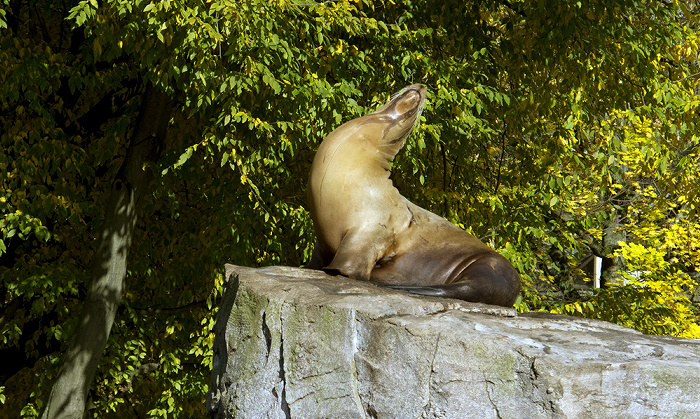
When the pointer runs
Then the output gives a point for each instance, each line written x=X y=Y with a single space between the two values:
x=652 y=296
x=552 y=130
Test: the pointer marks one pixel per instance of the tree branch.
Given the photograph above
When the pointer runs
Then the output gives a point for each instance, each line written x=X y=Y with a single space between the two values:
x=174 y=310
x=513 y=8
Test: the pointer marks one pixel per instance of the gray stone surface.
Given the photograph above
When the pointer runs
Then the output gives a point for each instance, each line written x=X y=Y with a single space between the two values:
x=296 y=343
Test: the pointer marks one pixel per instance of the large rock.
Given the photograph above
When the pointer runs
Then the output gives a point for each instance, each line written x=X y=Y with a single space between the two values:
x=298 y=343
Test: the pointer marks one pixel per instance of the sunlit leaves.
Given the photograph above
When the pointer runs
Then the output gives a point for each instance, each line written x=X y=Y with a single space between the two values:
x=651 y=297
x=85 y=10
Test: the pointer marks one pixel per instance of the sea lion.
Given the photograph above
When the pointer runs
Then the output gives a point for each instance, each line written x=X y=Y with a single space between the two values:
x=366 y=230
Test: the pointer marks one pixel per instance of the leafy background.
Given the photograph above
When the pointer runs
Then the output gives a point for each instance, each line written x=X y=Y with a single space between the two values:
x=553 y=131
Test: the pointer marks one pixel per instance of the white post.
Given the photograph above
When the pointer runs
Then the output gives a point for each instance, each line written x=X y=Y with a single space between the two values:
x=597 y=267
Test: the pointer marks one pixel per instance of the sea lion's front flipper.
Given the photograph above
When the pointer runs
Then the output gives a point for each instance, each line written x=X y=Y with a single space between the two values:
x=357 y=254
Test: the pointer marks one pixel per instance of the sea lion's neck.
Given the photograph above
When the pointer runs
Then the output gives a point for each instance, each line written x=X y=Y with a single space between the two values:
x=365 y=147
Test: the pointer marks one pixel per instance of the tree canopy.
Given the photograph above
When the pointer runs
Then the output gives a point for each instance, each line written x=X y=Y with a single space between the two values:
x=553 y=131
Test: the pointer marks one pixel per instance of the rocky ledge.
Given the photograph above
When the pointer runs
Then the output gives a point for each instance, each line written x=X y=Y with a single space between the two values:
x=297 y=343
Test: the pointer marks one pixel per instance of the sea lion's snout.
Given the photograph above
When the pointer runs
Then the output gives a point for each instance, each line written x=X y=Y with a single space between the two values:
x=408 y=104
x=405 y=104
x=410 y=100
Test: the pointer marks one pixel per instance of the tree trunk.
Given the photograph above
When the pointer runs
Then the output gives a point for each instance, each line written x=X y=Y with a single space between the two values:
x=69 y=392
x=612 y=234
x=614 y=230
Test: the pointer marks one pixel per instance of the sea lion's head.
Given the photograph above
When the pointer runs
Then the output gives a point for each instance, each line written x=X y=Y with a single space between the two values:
x=399 y=116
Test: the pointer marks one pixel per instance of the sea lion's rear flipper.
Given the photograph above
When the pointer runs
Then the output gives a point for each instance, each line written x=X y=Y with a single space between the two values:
x=461 y=291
